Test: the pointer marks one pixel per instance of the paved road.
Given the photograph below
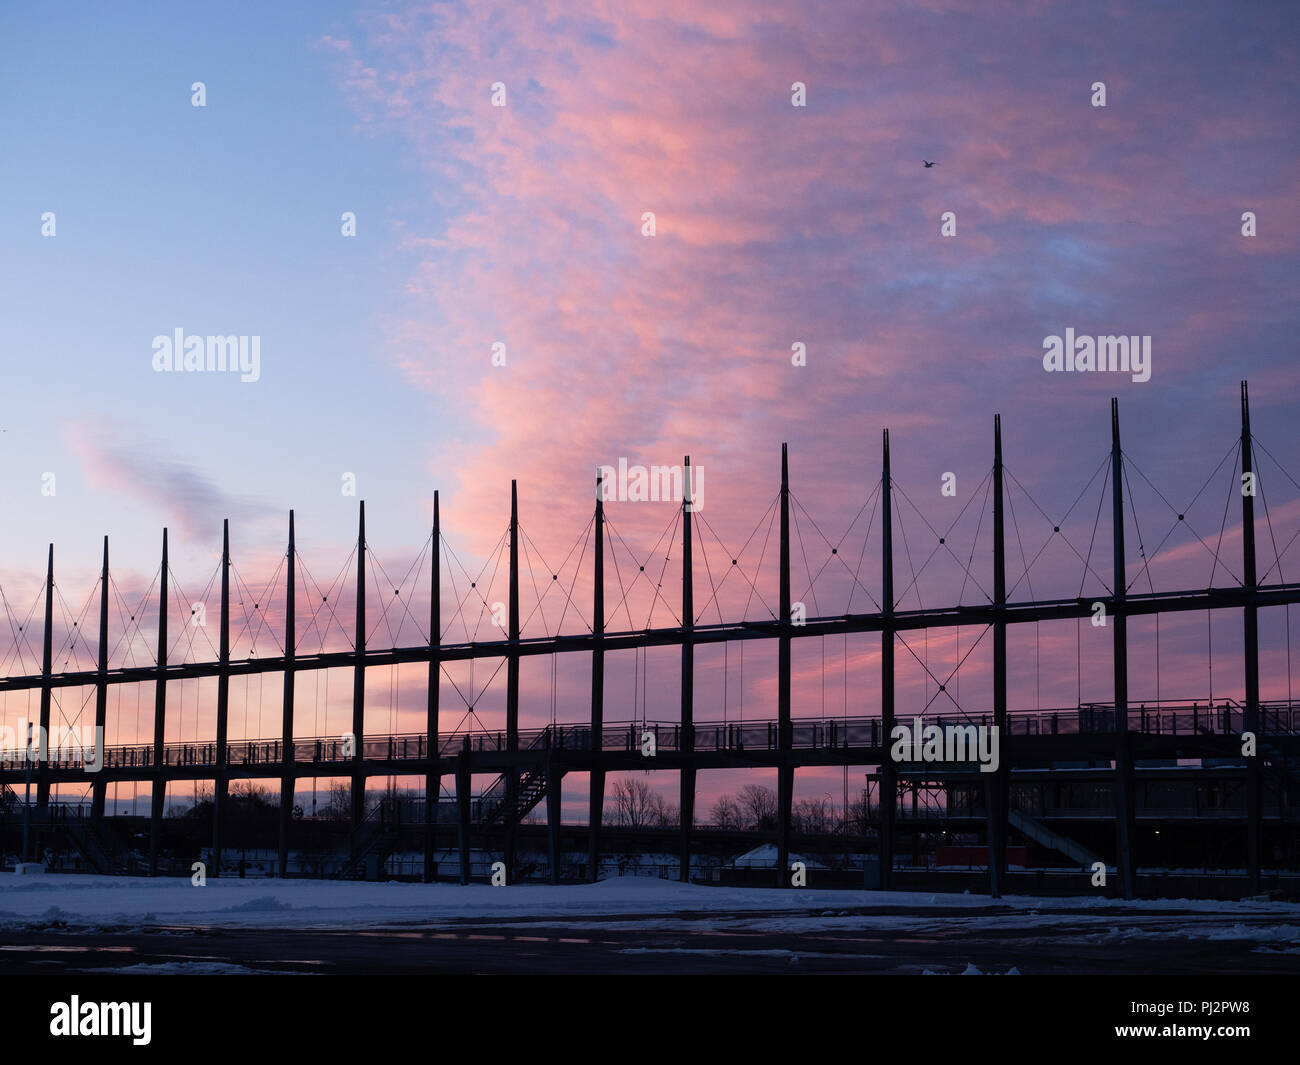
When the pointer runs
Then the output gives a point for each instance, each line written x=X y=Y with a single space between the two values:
x=706 y=943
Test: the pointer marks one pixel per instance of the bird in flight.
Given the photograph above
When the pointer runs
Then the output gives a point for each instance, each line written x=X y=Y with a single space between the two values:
x=928 y=164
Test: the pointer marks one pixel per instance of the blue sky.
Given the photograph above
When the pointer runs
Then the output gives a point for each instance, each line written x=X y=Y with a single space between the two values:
x=220 y=220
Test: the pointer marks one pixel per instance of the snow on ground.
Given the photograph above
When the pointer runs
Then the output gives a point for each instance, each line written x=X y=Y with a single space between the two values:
x=86 y=902
x=793 y=955
x=180 y=968
x=765 y=856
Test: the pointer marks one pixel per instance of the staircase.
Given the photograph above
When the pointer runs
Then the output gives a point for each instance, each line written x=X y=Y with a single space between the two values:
x=96 y=845
x=376 y=835
x=379 y=833
x=1045 y=837
x=532 y=787
x=494 y=806
x=1287 y=769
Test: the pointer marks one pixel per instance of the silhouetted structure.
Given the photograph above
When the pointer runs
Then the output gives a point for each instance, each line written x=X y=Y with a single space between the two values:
x=1101 y=743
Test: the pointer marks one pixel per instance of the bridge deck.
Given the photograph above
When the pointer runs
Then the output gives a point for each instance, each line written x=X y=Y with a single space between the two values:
x=1188 y=719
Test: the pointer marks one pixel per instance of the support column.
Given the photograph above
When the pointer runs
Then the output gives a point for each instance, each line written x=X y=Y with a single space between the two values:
x=463 y=784
x=287 y=779
x=1125 y=810
x=784 y=727
x=359 y=684
x=159 y=722
x=99 y=787
x=597 y=809
x=433 y=777
x=1000 y=792
x=1254 y=777
x=888 y=771
x=687 y=743
x=554 y=792
x=512 y=688
x=47 y=665
x=221 y=783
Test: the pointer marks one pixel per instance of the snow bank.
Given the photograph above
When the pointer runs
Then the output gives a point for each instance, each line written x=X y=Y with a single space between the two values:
x=85 y=902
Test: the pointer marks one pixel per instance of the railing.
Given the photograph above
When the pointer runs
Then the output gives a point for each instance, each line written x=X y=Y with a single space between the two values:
x=494 y=796
x=1165 y=718
x=54 y=814
x=1103 y=811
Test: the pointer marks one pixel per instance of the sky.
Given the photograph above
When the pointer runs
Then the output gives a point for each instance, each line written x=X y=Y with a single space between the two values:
x=522 y=230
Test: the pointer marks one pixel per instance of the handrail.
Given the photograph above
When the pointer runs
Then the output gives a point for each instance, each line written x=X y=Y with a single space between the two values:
x=1165 y=717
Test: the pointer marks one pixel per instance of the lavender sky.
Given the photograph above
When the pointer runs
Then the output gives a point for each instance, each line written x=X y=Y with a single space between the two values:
x=522 y=225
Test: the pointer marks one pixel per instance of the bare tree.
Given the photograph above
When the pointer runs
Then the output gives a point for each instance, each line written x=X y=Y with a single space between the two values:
x=759 y=806
x=858 y=815
x=252 y=790
x=338 y=803
x=637 y=806
x=727 y=813
x=813 y=815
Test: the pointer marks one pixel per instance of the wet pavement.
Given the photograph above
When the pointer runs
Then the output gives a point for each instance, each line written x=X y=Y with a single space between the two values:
x=1124 y=943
